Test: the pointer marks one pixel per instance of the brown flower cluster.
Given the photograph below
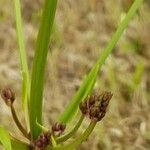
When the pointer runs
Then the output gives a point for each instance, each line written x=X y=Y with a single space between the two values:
x=42 y=141
x=58 y=128
x=8 y=96
x=95 y=105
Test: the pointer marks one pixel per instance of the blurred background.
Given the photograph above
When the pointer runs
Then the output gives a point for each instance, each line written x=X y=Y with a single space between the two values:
x=81 y=31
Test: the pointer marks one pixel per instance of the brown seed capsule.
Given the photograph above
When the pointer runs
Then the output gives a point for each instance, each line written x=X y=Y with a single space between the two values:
x=8 y=96
x=58 y=128
x=42 y=141
x=95 y=105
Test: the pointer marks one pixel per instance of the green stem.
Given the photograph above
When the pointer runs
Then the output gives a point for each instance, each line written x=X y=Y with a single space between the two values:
x=123 y=25
x=77 y=141
x=19 y=125
x=72 y=132
x=72 y=107
x=38 y=68
x=23 y=59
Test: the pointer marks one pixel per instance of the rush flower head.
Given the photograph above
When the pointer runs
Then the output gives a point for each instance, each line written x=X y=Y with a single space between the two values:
x=8 y=96
x=58 y=128
x=95 y=106
x=42 y=141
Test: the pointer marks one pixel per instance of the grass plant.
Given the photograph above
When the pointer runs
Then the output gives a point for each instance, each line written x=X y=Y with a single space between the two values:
x=91 y=105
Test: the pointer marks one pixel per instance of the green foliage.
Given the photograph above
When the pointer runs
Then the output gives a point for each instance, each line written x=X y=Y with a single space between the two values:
x=23 y=59
x=35 y=93
x=38 y=68
x=18 y=145
x=78 y=141
x=88 y=83
x=82 y=93
x=5 y=138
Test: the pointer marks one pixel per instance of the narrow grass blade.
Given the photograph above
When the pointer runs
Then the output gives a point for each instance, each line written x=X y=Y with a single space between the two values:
x=88 y=83
x=19 y=145
x=42 y=127
x=84 y=90
x=5 y=139
x=36 y=93
x=70 y=133
x=23 y=59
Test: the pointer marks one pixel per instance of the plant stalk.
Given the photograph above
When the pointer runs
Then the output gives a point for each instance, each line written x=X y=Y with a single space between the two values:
x=72 y=107
x=77 y=141
x=19 y=125
x=72 y=132
x=38 y=68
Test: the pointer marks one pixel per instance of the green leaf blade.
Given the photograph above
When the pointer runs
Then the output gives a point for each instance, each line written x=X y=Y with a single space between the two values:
x=72 y=107
x=38 y=68
x=23 y=59
x=19 y=145
x=5 y=138
x=81 y=94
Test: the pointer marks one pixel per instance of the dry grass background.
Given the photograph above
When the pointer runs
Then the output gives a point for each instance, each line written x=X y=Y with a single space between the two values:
x=82 y=29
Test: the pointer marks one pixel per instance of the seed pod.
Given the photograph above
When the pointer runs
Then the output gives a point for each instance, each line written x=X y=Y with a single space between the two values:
x=8 y=96
x=42 y=141
x=95 y=105
x=58 y=128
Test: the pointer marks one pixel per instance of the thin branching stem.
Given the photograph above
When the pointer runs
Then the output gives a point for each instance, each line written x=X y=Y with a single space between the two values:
x=19 y=125
x=72 y=132
x=77 y=141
